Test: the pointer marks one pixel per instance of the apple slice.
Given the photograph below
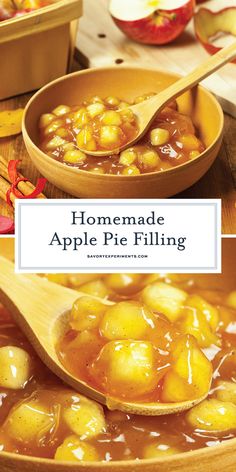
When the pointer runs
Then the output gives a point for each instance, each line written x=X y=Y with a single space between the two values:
x=6 y=225
x=152 y=21
x=6 y=9
x=209 y=24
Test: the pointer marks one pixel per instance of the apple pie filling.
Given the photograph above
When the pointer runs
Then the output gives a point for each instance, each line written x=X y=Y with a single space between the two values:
x=40 y=416
x=15 y=8
x=107 y=124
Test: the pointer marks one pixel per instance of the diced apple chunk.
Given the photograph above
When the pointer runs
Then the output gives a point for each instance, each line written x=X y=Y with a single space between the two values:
x=231 y=299
x=194 y=154
x=213 y=415
x=226 y=391
x=165 y=299
x=149 y=159
x=62 y=133
x=96 y=99
x=113 y=101
x=74 y=156
x=210 y=313
x=57 y=278
x=190 y=374
x=111 y=117
x=159 y=136
x=84 y=417
x=123 y=105
x=55 y=142
x=73 y=449
x=195 y=323
x=125 y=284
x=110 y=136
x=126 y=320
x=61 y=110
x=84 y=339
x=189 y=142
x=97 y=170
x=15 y=367
x=53 y=126
x=28 y=4
x=86 y=313
x=81 y=117
x=95 y=109
x=46 y=119
x=131 y=170
x=127 y=115
x=126 y=368
x=28 y=421
x=68 y=147
x=85 y=140
x=96 y=288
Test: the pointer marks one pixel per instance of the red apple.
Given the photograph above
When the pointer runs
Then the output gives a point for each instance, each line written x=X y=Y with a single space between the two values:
x=4 y=14
x=22 y=12
x=210 y=24
x=152 y=21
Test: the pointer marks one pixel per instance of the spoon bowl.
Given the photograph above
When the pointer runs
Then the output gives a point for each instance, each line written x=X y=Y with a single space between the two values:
x=41 y=310
x=147 y=111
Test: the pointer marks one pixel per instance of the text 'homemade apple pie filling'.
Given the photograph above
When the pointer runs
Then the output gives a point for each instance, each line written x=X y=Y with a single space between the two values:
x=108 y=124
x=144 y=338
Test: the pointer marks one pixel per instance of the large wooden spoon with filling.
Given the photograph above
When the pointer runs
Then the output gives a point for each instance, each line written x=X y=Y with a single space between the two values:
x=147 y=111
x=41 y=310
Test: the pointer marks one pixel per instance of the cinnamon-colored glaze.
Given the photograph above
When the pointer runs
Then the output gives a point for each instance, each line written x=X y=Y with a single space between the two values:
x=171 y=153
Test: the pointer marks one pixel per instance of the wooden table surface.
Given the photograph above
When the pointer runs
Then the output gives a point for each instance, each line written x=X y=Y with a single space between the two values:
x=219 y=182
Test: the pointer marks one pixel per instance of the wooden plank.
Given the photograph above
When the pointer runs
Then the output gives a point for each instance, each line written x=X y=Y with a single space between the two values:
x=181 y=56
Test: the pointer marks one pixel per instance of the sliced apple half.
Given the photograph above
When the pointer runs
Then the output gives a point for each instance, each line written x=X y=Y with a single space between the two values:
x=152 y=21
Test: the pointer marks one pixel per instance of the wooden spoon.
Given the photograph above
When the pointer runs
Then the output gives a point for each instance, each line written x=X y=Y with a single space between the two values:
x=41 y=310
x=147 y=111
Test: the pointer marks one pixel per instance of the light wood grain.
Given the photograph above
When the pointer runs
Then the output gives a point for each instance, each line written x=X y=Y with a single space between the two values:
x=180 y=57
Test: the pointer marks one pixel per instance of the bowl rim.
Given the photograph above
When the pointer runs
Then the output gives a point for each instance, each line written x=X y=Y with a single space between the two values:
x=226 y=445
x=75 y=170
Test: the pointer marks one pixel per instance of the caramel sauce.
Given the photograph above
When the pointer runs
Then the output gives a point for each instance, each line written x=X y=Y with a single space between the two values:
x=170 y=154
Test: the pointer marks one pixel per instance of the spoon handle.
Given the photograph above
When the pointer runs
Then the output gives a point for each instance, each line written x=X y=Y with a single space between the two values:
x=34 y=302
x=212 y=64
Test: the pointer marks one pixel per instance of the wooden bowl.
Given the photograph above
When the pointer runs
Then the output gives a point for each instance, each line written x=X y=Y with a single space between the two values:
x=215 y=458
x=126 y=83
